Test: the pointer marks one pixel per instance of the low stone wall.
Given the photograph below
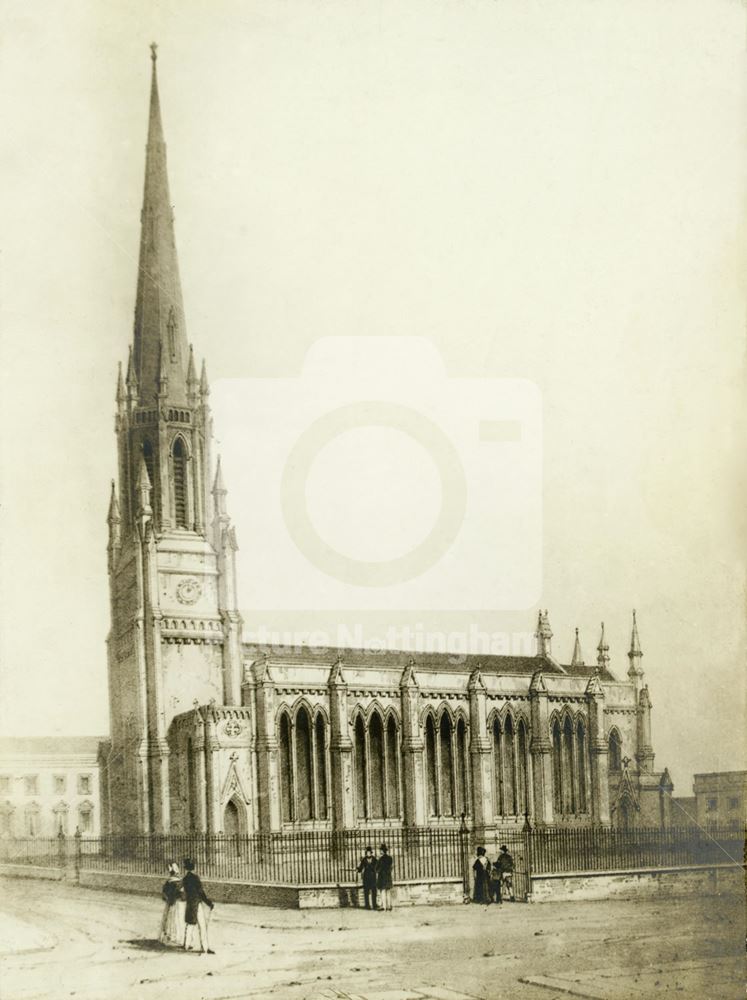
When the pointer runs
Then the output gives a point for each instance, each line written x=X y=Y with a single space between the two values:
x=702 y=880
x=32 y=871
x=438 y=891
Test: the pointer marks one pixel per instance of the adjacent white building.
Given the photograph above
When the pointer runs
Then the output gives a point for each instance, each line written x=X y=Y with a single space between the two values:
x=49 y=785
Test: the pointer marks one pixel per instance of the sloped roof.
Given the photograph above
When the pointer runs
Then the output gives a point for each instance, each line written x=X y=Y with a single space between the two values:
x=431 y=662
x=53 y=745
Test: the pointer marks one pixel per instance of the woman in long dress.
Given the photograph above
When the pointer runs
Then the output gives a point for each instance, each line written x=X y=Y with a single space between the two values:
x=481 y=868
x=172 y=921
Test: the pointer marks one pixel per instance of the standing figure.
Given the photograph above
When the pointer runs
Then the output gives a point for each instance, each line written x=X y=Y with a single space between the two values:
x=384 y=877
x=481 y=868
x=367 y=868
x=505 y=864
x=172 y=921
x=495 y=881
x=194 y=912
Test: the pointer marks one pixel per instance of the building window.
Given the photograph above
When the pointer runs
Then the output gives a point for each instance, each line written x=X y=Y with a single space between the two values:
x=376 y=765
x=711 y=805
x=581 y=754
x=59 y=784
x=444 y=758
x=286 y=771
x=522 y=770
x=376 y=747
x=84 y=784
x=359 y=747
x=303 y=766
x=557 y=770
x=85 y=817
x=4 y=784
x=733 y=802
x=60 y=818
x=179 y=461
x=462 y=805
x=31 y=821
x=6 y=821
x=430 y=761
x=615 y=751
x=31 y=784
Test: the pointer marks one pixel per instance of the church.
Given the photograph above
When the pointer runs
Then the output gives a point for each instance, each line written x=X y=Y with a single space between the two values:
x=211 y=734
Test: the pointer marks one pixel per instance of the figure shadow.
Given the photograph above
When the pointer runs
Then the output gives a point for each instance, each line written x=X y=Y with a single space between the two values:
x=148 y=944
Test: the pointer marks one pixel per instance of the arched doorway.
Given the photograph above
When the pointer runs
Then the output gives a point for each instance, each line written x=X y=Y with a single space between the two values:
x=232 y=819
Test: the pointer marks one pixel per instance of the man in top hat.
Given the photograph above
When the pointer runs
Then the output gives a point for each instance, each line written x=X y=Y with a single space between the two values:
x=195 y=910
x=367 y=868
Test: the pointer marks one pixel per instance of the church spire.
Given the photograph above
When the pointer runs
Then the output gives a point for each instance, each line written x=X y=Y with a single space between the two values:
x=160 y=343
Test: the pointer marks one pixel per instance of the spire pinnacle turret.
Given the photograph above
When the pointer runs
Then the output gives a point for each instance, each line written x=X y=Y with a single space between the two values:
x=543 y=635
x=577 y=660
x=121 y=393
x=635 y=653
x=603 y=652
x=160 y=345
x=114 y=516
x=204 y=386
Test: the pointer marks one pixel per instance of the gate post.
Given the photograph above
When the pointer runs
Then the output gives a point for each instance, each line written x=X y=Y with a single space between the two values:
x=527 y=835
x=61 y=852
x=77 y=855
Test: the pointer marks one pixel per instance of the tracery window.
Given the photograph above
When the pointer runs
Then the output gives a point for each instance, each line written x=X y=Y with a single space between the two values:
x=510 y=767
x=303 y=766
x=615 y=751
x=446 y=765
x=462 y=768
x=376 y=751
x=570 y=767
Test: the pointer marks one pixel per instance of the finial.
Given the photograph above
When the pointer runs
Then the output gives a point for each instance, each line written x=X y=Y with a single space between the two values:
x=153 y=52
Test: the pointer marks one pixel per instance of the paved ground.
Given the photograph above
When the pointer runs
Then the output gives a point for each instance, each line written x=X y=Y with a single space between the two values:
x=58 y=942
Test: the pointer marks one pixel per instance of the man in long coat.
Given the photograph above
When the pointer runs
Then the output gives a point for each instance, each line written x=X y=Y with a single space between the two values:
x=367 y=868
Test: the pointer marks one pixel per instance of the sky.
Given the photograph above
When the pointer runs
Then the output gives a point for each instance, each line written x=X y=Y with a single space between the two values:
x=548 y=195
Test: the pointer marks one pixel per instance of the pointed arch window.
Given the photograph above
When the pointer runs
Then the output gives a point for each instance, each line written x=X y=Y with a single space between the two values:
x=522 y=769
x=569 y=784
x=150 y=464
x=557 y=769
x=615 y=751
x=447 y=766
x=286 y=770
x=179 y=466
x=361 y=806
x=376 y=765
x=392 y=768
x=320 y=776
x=302 y=768
x=581 y=752
x=498 y=800
x=430 y=762
x=302 y=739
x=462 y=797
x=509 y=767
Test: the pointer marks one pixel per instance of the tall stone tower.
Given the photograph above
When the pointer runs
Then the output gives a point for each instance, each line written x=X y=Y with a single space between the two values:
x=175 y=635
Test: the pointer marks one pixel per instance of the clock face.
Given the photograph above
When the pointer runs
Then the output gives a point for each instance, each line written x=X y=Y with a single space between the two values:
x=188 y=591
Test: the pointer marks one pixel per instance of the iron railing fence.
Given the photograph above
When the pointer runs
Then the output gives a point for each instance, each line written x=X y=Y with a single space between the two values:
x=577 y=849
x=324 y=857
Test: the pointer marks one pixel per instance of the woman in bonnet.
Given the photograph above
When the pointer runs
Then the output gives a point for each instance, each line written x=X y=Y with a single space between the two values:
x=172 y=922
